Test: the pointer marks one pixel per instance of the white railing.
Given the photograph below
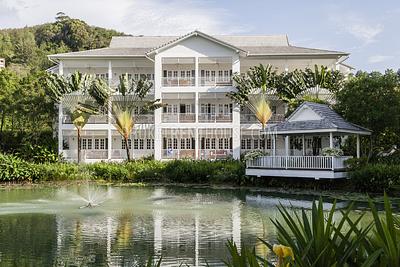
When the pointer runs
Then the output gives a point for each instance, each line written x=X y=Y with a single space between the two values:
x=214 y=153
x=251 y=118
x=298 y=162
x=178 y=117
x=145 y=119
x=219 y=117
x=93 y=119
x=135 y=153
x=178 y=81
x=215 y=81
x=178 y=153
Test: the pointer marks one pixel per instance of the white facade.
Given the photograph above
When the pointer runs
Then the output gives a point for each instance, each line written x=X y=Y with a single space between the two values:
x=191 y=75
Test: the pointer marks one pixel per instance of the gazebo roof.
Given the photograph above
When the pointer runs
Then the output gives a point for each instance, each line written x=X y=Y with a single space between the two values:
x=311 y=117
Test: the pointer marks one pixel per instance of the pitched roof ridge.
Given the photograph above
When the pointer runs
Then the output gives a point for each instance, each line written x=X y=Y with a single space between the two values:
x=317 y=49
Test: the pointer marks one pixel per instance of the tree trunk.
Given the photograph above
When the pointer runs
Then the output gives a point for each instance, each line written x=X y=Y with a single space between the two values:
x=79 y=145
x=128 y=155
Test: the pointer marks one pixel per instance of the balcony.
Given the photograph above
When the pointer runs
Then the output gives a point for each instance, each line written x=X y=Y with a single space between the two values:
x=213 y=154
x=214 y=118
x=251 y=118
x=178 y=117
x=178 y=81
x=215 y=81
x=93 y=119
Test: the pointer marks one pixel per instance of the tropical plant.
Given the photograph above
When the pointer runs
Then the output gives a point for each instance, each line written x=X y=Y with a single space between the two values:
x=130 y=103
x=253 y=91
x=317 y=240
x=81 y=95
x=385 y=238
x=332 y=152
x=244 y=258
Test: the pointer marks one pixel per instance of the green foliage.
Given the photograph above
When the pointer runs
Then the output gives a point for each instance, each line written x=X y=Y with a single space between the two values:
x=108 y=171
x=372 y=100
x=245 y=258
x=332 y=152
x=385 y=239
x=374 y=177
x=13 y=169
x=317 y=240
x=38 y=154
x=29 y=46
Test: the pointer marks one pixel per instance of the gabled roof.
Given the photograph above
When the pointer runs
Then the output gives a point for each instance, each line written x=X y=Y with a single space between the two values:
x=330 y=122
x=189 y=35
x=252 y=45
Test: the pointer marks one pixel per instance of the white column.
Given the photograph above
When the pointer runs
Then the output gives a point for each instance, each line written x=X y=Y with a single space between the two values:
x=358 y=145
x=109 y=135
x=236 y=224
x=303 y=140
x=197 y=143
x=157 y=112
x=60 y=113
x=330 y=140
x=274 y=144
x=287 y=144
x=196 y=72
x=236 y=114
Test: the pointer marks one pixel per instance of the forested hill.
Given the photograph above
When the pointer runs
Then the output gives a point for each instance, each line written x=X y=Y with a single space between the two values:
x=26 y=49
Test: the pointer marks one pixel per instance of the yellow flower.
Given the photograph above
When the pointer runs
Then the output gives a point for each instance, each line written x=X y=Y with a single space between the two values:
x=282 y=252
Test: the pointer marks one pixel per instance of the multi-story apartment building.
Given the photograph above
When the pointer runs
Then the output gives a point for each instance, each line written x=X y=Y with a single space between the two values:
x=191 y=76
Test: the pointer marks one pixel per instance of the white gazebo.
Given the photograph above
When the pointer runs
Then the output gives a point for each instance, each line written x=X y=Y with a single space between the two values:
x=309 y=129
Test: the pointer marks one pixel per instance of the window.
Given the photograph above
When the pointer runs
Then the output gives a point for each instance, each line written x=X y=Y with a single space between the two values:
x=269 y=143
x=183 y=143
x=221 y=143
x=123 y=144
x=243 y=144
x=175 y=143
x=150 y=144
x=148 y=76
x=103 y=76
x=141 y=144
x=102 y=143
x=188 y=74
x=220 y=74
x=207 y=146
x=89 y=143
x=135 y=144
x=207 y=75
x=248 y=143
x=188 y=143
x=83 y=143
x=175 y=74
x=255 y=146
x=183 y=73
x=213 y=75
x=212 y=143
x=136 y=76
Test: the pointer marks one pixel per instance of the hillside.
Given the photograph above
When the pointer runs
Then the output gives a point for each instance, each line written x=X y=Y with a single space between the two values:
x=25 y=49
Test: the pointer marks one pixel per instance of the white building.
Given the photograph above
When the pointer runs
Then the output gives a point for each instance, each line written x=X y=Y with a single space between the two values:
x=191 y=74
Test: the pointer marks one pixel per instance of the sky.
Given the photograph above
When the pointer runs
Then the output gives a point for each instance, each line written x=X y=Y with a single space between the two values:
x=367 y=29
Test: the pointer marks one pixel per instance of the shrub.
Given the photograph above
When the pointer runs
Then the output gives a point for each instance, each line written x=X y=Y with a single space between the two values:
x=375 y=177
x=15 y=169
x=332 y=152
x=253 y=154
x=108 y=171
x=61 y=171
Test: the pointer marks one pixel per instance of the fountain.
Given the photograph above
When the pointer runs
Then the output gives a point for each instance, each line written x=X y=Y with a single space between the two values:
x=92 y=195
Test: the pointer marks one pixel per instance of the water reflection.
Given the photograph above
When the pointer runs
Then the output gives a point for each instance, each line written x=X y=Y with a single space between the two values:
x=45 y=227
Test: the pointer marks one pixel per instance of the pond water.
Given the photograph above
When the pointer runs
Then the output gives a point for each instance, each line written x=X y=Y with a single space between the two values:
x=49 y=226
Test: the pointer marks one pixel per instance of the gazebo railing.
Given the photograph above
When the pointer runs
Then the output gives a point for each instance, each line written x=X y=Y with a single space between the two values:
x=298 y=162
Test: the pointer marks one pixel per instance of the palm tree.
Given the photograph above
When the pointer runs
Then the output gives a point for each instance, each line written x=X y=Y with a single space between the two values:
x=253 y=91
x=131 y=97
x=81 y=95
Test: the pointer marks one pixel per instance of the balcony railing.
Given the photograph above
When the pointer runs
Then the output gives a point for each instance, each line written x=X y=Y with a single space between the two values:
x=213 y=154
x=135 y=153
x=298 y=162
x=93 y=119
x=178 y=117
x=210 y=117
x=251 y=118
x=178 y=81
x=178 y=153
x=215 y=81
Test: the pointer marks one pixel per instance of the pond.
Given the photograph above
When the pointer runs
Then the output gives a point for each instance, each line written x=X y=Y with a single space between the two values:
x=50 y=226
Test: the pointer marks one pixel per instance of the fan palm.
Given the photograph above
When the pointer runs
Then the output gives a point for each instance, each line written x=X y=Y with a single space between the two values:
x=80 y=94
x=131 y=98
x=252 y=91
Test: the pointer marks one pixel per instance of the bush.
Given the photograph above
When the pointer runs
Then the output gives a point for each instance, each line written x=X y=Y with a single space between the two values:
x=61 y=171
x=108 y=171
x=375 y=177
x=332 y=152
x=13 y=169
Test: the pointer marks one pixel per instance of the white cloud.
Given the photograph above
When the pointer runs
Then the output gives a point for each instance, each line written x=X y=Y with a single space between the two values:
x=378 y=58
x=359 y=27
x=155 y=17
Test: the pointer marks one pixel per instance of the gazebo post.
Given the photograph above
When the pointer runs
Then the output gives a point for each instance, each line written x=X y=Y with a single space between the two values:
x=287 y=142
x=330 y=140
x=358 y=145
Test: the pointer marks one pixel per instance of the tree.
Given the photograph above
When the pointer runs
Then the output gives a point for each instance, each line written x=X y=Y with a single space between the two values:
x=372 y=100
x=253 y=91
x=130 y=103
x=81 y=95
